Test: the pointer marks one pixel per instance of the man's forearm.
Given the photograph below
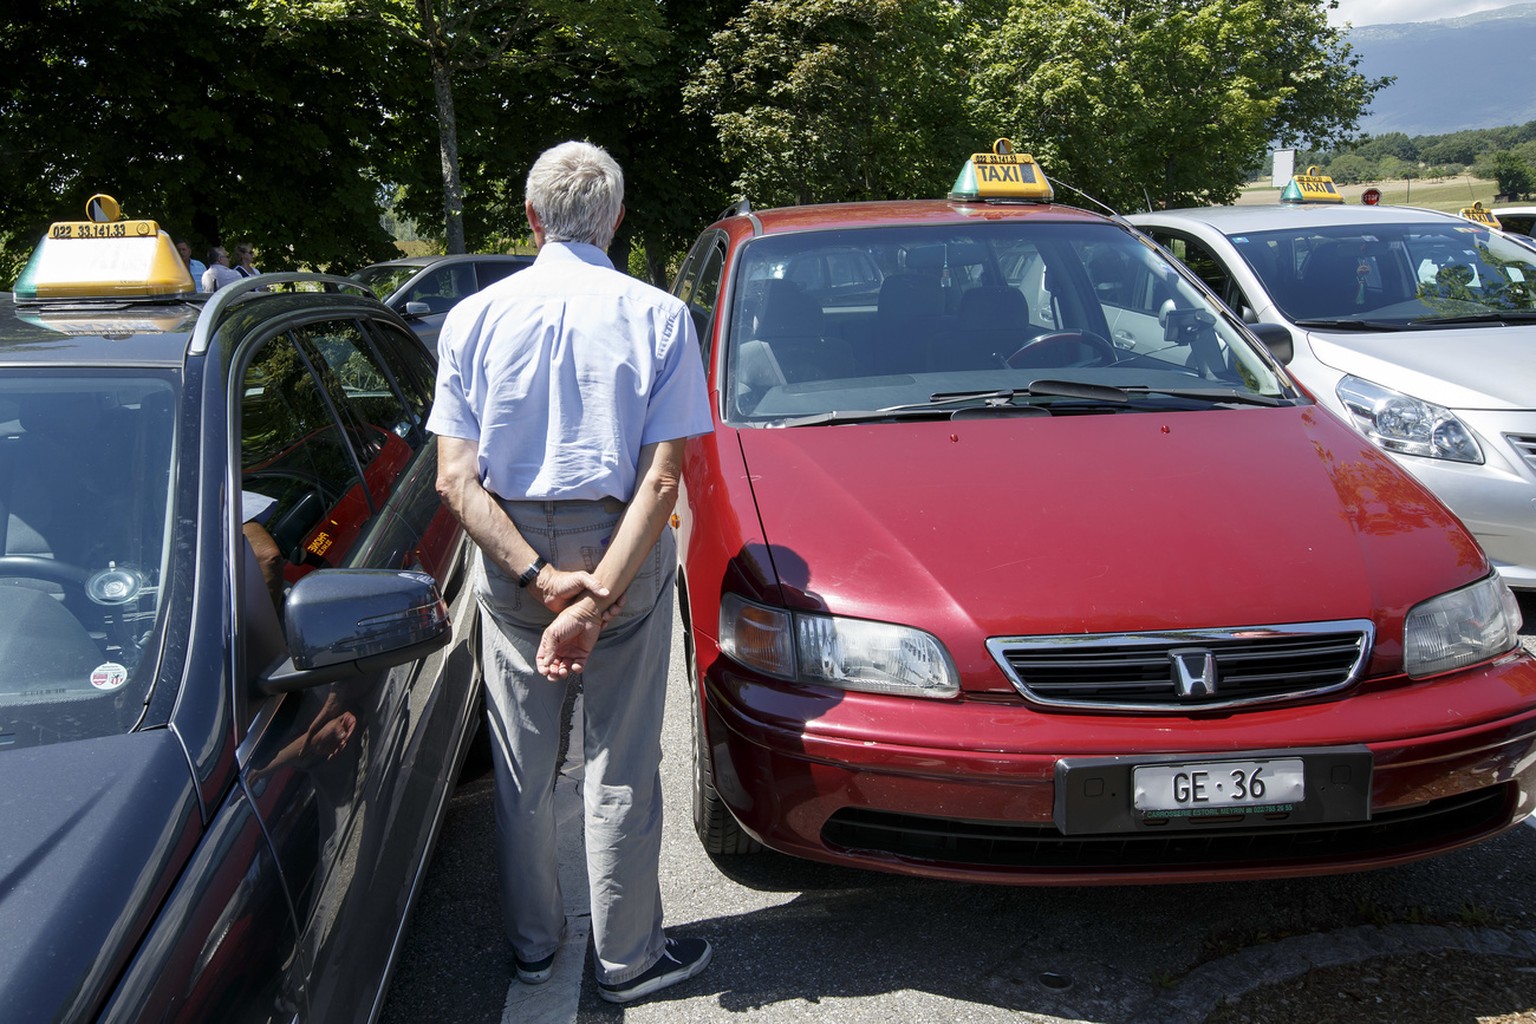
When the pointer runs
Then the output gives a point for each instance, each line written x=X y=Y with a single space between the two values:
x=492 y=530
x=644 y=518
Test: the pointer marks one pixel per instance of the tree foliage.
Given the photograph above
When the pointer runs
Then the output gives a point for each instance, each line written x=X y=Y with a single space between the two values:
x=195 y=114
x=295 y=122
x=1170 y=101
x=831 y=100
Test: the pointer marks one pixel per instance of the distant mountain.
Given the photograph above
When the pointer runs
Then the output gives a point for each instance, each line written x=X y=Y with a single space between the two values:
x=1473 y=72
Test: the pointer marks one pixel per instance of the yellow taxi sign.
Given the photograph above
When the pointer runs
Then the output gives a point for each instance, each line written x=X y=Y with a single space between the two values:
x=1002 y=175
x=104 y=257
x=1480 y=215
x=1311 y=187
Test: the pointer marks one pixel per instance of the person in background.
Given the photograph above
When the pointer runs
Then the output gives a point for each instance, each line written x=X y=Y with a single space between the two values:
x=245 y=260
x=565 y=394
x=219 y=272
x=194 y=267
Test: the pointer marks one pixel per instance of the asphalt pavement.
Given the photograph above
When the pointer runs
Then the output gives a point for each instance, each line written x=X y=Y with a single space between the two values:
x=796 y=941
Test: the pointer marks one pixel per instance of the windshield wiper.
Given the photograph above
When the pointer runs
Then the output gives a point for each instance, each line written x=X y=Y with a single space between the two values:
x=1351 y=325
x=1121 y=395
x=1000 y=402
x=1492 y=316
x=935 y=408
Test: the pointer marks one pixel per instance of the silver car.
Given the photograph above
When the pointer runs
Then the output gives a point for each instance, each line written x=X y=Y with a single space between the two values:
x=1417 y=327
x=422 y=289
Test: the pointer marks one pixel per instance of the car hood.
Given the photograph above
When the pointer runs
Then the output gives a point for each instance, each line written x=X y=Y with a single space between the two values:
x=1097 y=524
x=95 y=831
x=1459 y=368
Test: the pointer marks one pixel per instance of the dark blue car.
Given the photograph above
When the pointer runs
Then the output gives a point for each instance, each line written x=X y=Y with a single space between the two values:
x=220 y=778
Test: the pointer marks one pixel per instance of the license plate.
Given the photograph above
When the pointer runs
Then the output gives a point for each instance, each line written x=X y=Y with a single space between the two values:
x=1191 y=789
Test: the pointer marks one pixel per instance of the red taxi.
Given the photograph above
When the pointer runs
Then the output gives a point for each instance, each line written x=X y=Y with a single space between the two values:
x=990 y=573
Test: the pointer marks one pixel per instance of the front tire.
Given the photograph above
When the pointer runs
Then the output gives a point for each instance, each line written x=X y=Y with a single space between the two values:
x=718 y=829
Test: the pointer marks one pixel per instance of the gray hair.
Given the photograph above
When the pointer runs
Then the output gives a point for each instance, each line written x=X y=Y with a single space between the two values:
x=577 y=190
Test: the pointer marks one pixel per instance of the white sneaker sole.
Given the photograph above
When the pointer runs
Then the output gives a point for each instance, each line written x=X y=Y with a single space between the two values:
x=656 y=984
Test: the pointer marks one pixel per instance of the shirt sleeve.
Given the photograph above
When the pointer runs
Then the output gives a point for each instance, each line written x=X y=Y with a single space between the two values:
x=255 y=508
x=679 y=405
x=451 y=415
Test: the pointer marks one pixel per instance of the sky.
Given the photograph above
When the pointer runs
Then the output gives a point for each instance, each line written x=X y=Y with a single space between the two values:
x=1380 y=12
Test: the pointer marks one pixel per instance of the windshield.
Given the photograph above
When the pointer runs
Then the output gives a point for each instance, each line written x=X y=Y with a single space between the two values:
x=385 y=279
x=865 y=319
x=85 y=480
x=1392 y=274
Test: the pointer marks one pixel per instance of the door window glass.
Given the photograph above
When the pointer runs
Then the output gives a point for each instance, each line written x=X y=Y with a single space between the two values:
x=292 y=452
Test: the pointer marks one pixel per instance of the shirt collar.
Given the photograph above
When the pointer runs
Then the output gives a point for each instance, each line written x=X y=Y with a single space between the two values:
x=566 y=252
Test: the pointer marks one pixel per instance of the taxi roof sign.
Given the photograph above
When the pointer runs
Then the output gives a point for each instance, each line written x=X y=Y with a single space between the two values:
x=1481 y=215
x=1002 y=175
x=105 y=256
x=1311 y=187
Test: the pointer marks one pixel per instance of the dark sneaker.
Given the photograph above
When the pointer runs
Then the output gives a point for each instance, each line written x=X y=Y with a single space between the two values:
x=680 y=960
x=534 y=972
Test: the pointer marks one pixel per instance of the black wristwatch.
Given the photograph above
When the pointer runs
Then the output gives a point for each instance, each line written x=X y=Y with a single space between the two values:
x=532 y=572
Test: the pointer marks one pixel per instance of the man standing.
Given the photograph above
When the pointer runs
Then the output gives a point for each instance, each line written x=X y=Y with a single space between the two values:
x=219 y=272
x=564 y=396
x=194 y=267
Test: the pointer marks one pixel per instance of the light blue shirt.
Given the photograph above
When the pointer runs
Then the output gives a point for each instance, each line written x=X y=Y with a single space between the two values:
x=563 y=372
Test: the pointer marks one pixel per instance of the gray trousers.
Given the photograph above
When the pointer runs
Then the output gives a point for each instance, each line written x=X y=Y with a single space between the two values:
x=623 y=694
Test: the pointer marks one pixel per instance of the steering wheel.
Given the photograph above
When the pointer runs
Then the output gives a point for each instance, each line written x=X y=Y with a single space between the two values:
x=38 y=568
x=1064 y=348
x=71 y=577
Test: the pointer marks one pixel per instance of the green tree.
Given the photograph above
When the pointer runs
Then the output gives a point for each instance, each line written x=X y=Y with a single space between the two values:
x=830 y=100
x=546 y=40
x=1352 y=169
x=1457 y=148
x=1179 y=97
x=1513 y=175
x=1393 y=144
x=195 y=114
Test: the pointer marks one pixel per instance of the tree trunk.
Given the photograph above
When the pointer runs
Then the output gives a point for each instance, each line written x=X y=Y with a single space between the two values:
x=448 y=144
x=447 y=130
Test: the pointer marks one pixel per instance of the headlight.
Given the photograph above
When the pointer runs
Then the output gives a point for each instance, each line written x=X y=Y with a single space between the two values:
x=851 y=654
x=1460 y=628
x=1406 y=425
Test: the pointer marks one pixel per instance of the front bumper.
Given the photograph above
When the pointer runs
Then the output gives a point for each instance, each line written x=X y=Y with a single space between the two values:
x=966 y=789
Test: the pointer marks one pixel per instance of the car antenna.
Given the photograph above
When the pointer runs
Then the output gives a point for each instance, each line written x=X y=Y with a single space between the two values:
x=1092 y=199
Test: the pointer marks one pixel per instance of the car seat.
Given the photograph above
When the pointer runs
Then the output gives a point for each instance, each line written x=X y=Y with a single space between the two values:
x=993 y=323
x=1331 y=284
x=908 y=317
x=792 y=324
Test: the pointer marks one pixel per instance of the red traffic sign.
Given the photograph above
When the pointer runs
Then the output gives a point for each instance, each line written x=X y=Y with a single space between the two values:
x=1371 y=196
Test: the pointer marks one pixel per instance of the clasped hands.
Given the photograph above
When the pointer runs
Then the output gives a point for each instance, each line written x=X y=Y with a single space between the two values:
x=581 y=606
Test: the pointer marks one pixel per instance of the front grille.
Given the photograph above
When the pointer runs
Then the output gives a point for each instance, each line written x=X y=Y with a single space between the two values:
x=1525 y=445
x=1170 y=672
x=1437 y=825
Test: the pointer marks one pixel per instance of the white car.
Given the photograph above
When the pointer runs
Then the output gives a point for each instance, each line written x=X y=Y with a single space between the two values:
x=1417 y=327
x=1519 y=219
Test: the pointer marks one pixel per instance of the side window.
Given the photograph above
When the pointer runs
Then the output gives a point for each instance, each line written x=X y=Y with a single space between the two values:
x=413 y=370
x=1209 y=268
x=292 y=452
x=443 y=287
x=705 y=296
x=492 y=271
x=698 y=285
x=374 y=421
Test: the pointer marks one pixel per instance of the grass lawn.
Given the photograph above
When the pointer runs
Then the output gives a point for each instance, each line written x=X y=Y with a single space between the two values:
x=1449 y=194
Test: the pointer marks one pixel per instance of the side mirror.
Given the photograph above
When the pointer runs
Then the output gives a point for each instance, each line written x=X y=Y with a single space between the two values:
x=415 y=308
x=1277 y=338
x=343 y=623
